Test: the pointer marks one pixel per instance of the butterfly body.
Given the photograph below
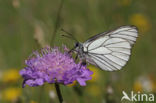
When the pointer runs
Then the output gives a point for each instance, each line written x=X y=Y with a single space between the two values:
x=109 y=51
x=82 y=53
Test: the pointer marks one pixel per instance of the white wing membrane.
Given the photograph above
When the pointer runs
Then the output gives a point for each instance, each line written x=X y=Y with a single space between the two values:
x=119 y=45
x=103 y=63
x=121 y=50
x=128 y=33
x=122 y=56
x=100 y=50
x=97 y=43
x=112 y=41
x=110 y=51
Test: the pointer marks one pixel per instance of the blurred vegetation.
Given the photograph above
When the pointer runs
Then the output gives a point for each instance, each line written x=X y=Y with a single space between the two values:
x=27 y=25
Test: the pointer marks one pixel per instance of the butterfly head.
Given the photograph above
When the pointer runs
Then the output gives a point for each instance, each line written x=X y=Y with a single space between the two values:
x=78 y=46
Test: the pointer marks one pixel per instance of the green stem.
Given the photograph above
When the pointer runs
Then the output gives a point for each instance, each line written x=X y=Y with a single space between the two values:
x=59 y=92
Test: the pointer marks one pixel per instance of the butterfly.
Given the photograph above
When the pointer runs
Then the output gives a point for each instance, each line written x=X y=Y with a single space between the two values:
x=110 y=50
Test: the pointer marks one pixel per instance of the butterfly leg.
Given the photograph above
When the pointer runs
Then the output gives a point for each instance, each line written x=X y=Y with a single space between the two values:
x=83 y=64
x=76 y=57
x=70 y=50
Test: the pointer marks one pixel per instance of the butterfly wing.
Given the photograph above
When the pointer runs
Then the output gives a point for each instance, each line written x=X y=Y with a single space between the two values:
x=111 y=50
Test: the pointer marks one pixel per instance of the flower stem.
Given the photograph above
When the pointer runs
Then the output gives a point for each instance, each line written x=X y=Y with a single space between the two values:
x=58 y=92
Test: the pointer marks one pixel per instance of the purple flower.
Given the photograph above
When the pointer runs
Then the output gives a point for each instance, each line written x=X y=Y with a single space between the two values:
x=50 y=65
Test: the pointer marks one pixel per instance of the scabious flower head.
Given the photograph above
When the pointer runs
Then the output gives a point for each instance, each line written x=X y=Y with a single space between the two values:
x=52 y=66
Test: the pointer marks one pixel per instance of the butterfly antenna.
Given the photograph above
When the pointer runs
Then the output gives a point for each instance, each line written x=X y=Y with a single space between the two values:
x=69 y=35
x=66 y=36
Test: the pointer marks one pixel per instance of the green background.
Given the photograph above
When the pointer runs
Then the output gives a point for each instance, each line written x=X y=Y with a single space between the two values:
x=28 y=25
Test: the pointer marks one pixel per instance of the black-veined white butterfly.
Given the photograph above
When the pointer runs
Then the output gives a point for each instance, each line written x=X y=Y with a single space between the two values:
x=110 y=50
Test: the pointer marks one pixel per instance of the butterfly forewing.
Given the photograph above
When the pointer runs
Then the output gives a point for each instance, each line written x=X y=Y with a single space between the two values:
x=111 y=50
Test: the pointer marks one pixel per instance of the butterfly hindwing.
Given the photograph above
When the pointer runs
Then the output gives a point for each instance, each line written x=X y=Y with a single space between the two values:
x=111 y=50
